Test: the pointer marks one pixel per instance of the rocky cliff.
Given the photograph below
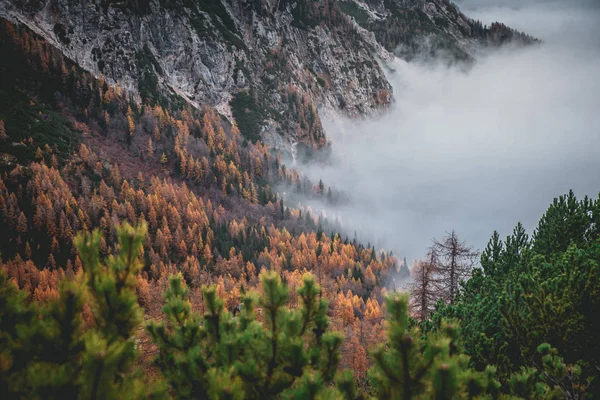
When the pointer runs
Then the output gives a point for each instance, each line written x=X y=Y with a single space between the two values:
x=268 y=64
x=427 y=28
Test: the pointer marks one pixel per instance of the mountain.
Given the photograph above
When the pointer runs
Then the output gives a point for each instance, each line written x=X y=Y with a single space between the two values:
x=252 y=59
x=428 y=28
x=170 y=114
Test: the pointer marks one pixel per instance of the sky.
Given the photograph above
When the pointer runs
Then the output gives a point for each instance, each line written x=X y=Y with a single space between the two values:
x=481 y=150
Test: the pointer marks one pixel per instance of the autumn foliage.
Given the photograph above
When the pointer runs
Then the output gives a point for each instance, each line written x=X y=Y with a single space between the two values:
x=87 y=317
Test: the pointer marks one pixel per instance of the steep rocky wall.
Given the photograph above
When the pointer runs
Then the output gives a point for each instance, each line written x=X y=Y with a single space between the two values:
x=210 y=51
x=268 y=64
x=428 y=28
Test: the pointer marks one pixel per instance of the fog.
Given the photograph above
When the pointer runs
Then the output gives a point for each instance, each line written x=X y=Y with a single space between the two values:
x=476 y=151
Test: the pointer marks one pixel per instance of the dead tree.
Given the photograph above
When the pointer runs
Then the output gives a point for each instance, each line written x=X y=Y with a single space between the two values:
x=425 y=288
x=455 y=262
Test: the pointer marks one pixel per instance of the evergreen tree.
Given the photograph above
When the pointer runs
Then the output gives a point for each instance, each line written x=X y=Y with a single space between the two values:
x=218 y=355
x=404 y=269
x=532 y=291
x=46 y=352
x=414 y=366
x=552 y=379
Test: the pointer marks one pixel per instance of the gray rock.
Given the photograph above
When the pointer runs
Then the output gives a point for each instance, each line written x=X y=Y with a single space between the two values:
x=217 y=48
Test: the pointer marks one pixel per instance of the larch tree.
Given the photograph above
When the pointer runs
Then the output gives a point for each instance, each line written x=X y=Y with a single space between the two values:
x=130 y=125
x=3 y=134
x=425 y=288
x=150 y=149
x=39 y=156
x=84 y=153
x=456 y=260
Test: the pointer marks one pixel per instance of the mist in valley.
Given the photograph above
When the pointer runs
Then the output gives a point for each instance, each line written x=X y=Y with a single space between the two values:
x=481 y=150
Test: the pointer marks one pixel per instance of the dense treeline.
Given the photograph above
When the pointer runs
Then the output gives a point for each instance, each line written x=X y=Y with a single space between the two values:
x=526 y=292
x=186 y=234
x=219 y=241
x=85 y=343
x=540 y=288
x=204 y=192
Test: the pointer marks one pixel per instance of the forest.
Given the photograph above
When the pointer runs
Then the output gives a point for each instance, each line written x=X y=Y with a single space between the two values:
x=145 y=254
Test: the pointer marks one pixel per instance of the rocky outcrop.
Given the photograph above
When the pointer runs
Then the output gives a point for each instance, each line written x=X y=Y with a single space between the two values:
x=268 y=64
x=226 y=54
x=427 y=28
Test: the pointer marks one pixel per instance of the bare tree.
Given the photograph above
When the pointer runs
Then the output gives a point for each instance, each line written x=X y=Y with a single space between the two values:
x=455 y=262
x=425 y=288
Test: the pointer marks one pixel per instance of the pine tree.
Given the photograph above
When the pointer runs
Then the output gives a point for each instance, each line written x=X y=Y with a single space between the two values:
x=218 y=355
x=17 y=328
x=416 y=366
x=536 y=290
x=116 y=313
x=552 y=379
x=404 y=272
x=46 y=353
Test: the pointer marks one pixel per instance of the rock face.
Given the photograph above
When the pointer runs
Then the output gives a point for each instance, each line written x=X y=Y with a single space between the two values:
x=269 y=64
x=427 y=28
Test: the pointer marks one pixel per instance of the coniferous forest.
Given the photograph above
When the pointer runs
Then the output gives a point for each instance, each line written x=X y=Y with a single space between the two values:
x=145 y=252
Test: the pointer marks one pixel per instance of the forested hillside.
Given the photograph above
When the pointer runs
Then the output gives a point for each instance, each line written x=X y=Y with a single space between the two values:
x=145 y=253
x=204 y=191
x=88 y=338
x=254 y=61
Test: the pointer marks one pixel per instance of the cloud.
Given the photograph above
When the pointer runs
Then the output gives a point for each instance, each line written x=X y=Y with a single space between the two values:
x=476 y=151
x=556 y=21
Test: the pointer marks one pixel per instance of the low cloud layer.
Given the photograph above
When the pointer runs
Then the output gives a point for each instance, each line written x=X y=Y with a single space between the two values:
x=482 y=150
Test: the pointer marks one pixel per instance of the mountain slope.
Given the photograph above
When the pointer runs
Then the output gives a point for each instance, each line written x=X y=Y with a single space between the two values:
x=78 y=152
x=428 y=28
x=252 y=60
x=251 y=56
